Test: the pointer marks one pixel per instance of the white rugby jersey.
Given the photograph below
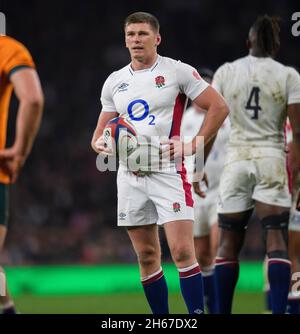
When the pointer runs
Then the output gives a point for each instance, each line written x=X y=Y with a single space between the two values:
x=191 y=123
x=153 y=99
x=257 y=91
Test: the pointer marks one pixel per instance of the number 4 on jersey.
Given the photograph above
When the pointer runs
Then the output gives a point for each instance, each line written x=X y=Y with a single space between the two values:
x=253 y=102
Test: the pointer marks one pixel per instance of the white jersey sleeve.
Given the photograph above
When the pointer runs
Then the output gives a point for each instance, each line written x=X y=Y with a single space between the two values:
x=189 y=80
x=106 y=96
x=293 y=86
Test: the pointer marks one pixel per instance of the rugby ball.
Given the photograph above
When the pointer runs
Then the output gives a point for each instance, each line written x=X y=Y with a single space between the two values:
x=120 y=137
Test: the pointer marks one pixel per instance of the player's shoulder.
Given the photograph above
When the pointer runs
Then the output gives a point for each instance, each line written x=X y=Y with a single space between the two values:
x=10 y=44
x=176 y=64
x=119 y=74
x=233 y=65
x=228 y=67
x=291 y=71
x=285 y=71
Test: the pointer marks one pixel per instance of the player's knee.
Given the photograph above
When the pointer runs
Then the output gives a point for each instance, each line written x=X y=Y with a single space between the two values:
x=275 y=231
x=148 y=257
x=278 y=254
x=234 y=224
x=204 y=259
x=181 y=255
x=227 y=249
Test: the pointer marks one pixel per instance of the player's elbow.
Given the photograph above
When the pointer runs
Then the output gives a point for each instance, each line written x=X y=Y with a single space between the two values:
x=34 y=101
x=221 y=109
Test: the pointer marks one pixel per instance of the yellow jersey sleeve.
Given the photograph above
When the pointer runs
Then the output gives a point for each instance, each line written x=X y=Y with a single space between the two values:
x=17 y=57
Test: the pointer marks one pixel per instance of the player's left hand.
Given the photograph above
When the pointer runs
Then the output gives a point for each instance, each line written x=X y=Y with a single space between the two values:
x=11 y=161
x=174 y=149
x=197 y=186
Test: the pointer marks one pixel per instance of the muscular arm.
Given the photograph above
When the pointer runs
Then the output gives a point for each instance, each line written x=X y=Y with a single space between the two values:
x=28 y=90
x=217 y=111
x=102 y=120
x=294 y=117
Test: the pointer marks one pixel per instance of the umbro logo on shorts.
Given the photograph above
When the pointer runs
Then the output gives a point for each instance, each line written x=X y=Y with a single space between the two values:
x=122 y=216
x=198 y=311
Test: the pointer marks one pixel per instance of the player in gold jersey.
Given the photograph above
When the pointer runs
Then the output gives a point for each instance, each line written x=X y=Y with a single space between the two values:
x=18 y=74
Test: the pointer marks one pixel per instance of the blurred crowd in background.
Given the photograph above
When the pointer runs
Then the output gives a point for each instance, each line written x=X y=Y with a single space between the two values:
x=62 y=209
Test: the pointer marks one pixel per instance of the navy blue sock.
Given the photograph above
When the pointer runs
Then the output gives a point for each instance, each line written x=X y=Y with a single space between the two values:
x=227 y=274
x=156 y=291
x=8 y=308
x=293 y=304
x=209 y=285
x=279 y=274
x=191 y=285
x=268 y=300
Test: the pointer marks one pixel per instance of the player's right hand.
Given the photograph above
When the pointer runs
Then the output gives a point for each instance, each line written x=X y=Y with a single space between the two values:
x=11 y=162
x=99 y=146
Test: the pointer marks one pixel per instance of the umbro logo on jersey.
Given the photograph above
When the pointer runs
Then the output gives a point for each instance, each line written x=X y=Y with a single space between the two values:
x=123 y=87
x=160 y=81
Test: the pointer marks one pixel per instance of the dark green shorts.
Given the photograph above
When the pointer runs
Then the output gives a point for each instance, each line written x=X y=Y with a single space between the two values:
x=3 y=204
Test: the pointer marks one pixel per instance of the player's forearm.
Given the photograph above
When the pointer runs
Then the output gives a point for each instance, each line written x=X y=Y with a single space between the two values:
x=102 y=121
x=28 y=123
x=214 y=119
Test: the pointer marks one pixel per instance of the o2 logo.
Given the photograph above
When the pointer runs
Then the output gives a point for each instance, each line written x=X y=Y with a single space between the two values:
x=296 y=285
x=145 y=114
x=296 y=25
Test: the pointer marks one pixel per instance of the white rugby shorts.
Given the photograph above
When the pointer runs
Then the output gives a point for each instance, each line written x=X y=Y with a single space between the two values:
x=261 y=178
x=155 y=198
x=205 y=211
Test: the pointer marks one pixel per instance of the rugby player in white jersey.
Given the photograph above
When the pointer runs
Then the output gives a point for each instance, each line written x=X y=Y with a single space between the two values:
x=293 y=305
x=205 y=202
x=152 y=92
x=260 y=93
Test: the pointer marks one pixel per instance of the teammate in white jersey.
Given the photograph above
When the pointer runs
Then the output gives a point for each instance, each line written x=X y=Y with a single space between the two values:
x=293 y=306
x=260 y=93
x=205 y=202
x=152 y=92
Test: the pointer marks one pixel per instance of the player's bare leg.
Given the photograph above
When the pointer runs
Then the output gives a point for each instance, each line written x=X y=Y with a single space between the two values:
x=214 y=239
x=6 y=303
x=294 y=254
x=203 y=253
x=146 y=244
x=275 y=224
x=181 y=243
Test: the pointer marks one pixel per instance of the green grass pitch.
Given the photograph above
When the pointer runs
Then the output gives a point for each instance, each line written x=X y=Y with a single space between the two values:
x=122 y=303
